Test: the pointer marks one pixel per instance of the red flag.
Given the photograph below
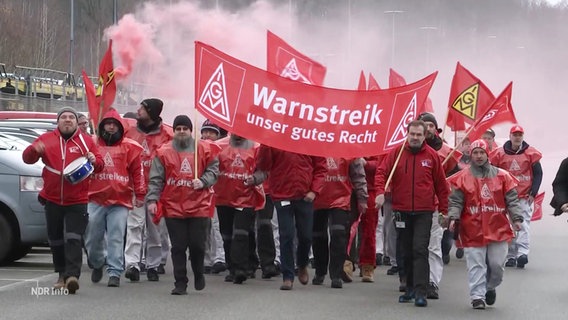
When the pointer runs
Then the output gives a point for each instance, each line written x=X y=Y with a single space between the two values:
x=102 y=99
x=362 y=82
x=537 y=212
x=301 y=118
x=469 y=97
x=91 y=96
x=373 y=84
x=290 y=63
x=500 y=111
x=395 y=79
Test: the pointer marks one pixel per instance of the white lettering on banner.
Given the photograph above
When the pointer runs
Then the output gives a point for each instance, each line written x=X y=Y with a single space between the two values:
x=311 y=134
x=266 y=123
x=367 y=137
x=323 y=114
x=111 y=176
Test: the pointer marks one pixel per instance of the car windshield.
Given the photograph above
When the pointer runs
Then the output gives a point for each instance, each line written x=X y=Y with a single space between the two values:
x=9 y=142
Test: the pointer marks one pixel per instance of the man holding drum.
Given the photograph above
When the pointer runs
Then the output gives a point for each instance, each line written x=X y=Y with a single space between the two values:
x=65 y=193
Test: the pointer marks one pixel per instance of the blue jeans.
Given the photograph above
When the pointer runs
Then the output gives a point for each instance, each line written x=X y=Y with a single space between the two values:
x=112 y=220
x=294 y=217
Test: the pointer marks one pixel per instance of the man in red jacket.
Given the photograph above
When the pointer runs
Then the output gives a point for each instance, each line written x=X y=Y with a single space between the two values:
x=185 y=198
x=295 y=180
x=237 y=202
x=523 y=162
x=417 y=180
x=481 y=198
x=65 y=203
x=151 y=134
x=110 y=198
x=332 y=207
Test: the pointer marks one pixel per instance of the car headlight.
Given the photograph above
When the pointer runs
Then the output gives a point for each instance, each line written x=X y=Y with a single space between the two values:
x=28 y=183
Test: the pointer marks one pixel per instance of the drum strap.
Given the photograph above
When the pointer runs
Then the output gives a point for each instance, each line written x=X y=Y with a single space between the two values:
x=83 y=141
x=53 y=170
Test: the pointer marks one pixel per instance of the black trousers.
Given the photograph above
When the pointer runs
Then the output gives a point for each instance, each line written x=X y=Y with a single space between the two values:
x=334 y=252
x=187 y=233
x=239 y=239
x=66 y=226
x=415 y=237
x=265 y=244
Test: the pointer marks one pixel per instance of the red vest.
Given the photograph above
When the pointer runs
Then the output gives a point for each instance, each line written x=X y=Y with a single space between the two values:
x=150 y=143
x=484 y=216
x=519 y=165
x=235 y=165
x=336 y=190
x=178 y=198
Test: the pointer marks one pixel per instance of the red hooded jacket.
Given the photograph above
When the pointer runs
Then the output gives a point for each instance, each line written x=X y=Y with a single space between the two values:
x=57 y=155
x=123 y=173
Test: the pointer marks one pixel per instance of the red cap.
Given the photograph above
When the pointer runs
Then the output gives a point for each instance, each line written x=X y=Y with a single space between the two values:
x=517 y=128
x=479 y=143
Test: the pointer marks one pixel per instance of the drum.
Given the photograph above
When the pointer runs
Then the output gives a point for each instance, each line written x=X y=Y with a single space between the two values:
x=78 y=170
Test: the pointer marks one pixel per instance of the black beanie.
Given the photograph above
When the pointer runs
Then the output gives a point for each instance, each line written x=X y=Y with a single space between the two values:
x=428 y=117
x=154 y=108
x=183 y=120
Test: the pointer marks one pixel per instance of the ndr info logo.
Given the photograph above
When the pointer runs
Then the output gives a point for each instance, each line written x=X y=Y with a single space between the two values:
x=48 y=291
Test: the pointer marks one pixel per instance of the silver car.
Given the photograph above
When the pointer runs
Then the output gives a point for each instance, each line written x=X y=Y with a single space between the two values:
x=22 y=218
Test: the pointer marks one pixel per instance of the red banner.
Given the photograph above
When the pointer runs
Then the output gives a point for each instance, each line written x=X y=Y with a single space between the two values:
x=298 y=117
x=469 y=97
x=537 y=212
x=284 y=60
x=500 y=111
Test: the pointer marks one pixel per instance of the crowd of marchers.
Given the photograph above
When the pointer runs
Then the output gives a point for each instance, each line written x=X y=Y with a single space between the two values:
x=228 y=204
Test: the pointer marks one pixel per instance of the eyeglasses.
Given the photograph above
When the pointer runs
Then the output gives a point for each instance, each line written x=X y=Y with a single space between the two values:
x=84 y=123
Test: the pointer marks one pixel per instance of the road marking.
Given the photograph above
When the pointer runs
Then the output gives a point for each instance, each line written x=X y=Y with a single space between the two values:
x=27 y=270
x=22 y=282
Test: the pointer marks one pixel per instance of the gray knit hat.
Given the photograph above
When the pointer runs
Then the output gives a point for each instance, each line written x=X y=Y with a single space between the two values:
x=67 y=109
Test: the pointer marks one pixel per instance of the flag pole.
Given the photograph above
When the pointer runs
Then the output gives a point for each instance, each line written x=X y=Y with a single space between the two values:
x=469 y=130
x=195 y=146
x=395 y=164
x=445 y=124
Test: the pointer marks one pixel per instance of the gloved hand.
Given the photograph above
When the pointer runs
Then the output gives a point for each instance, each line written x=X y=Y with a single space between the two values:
x=379 y=201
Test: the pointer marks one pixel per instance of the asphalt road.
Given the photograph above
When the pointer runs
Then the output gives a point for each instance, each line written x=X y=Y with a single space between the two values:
x=537 y=292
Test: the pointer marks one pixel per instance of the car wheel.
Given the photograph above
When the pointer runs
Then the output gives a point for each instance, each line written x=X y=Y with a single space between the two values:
x=6 y=240
x=19 y=252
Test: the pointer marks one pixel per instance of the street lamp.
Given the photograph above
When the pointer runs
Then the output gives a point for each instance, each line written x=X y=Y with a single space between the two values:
x=428 y=29
x=393 y=13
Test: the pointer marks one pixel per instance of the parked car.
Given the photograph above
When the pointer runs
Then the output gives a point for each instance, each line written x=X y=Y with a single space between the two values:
x=22 y=218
